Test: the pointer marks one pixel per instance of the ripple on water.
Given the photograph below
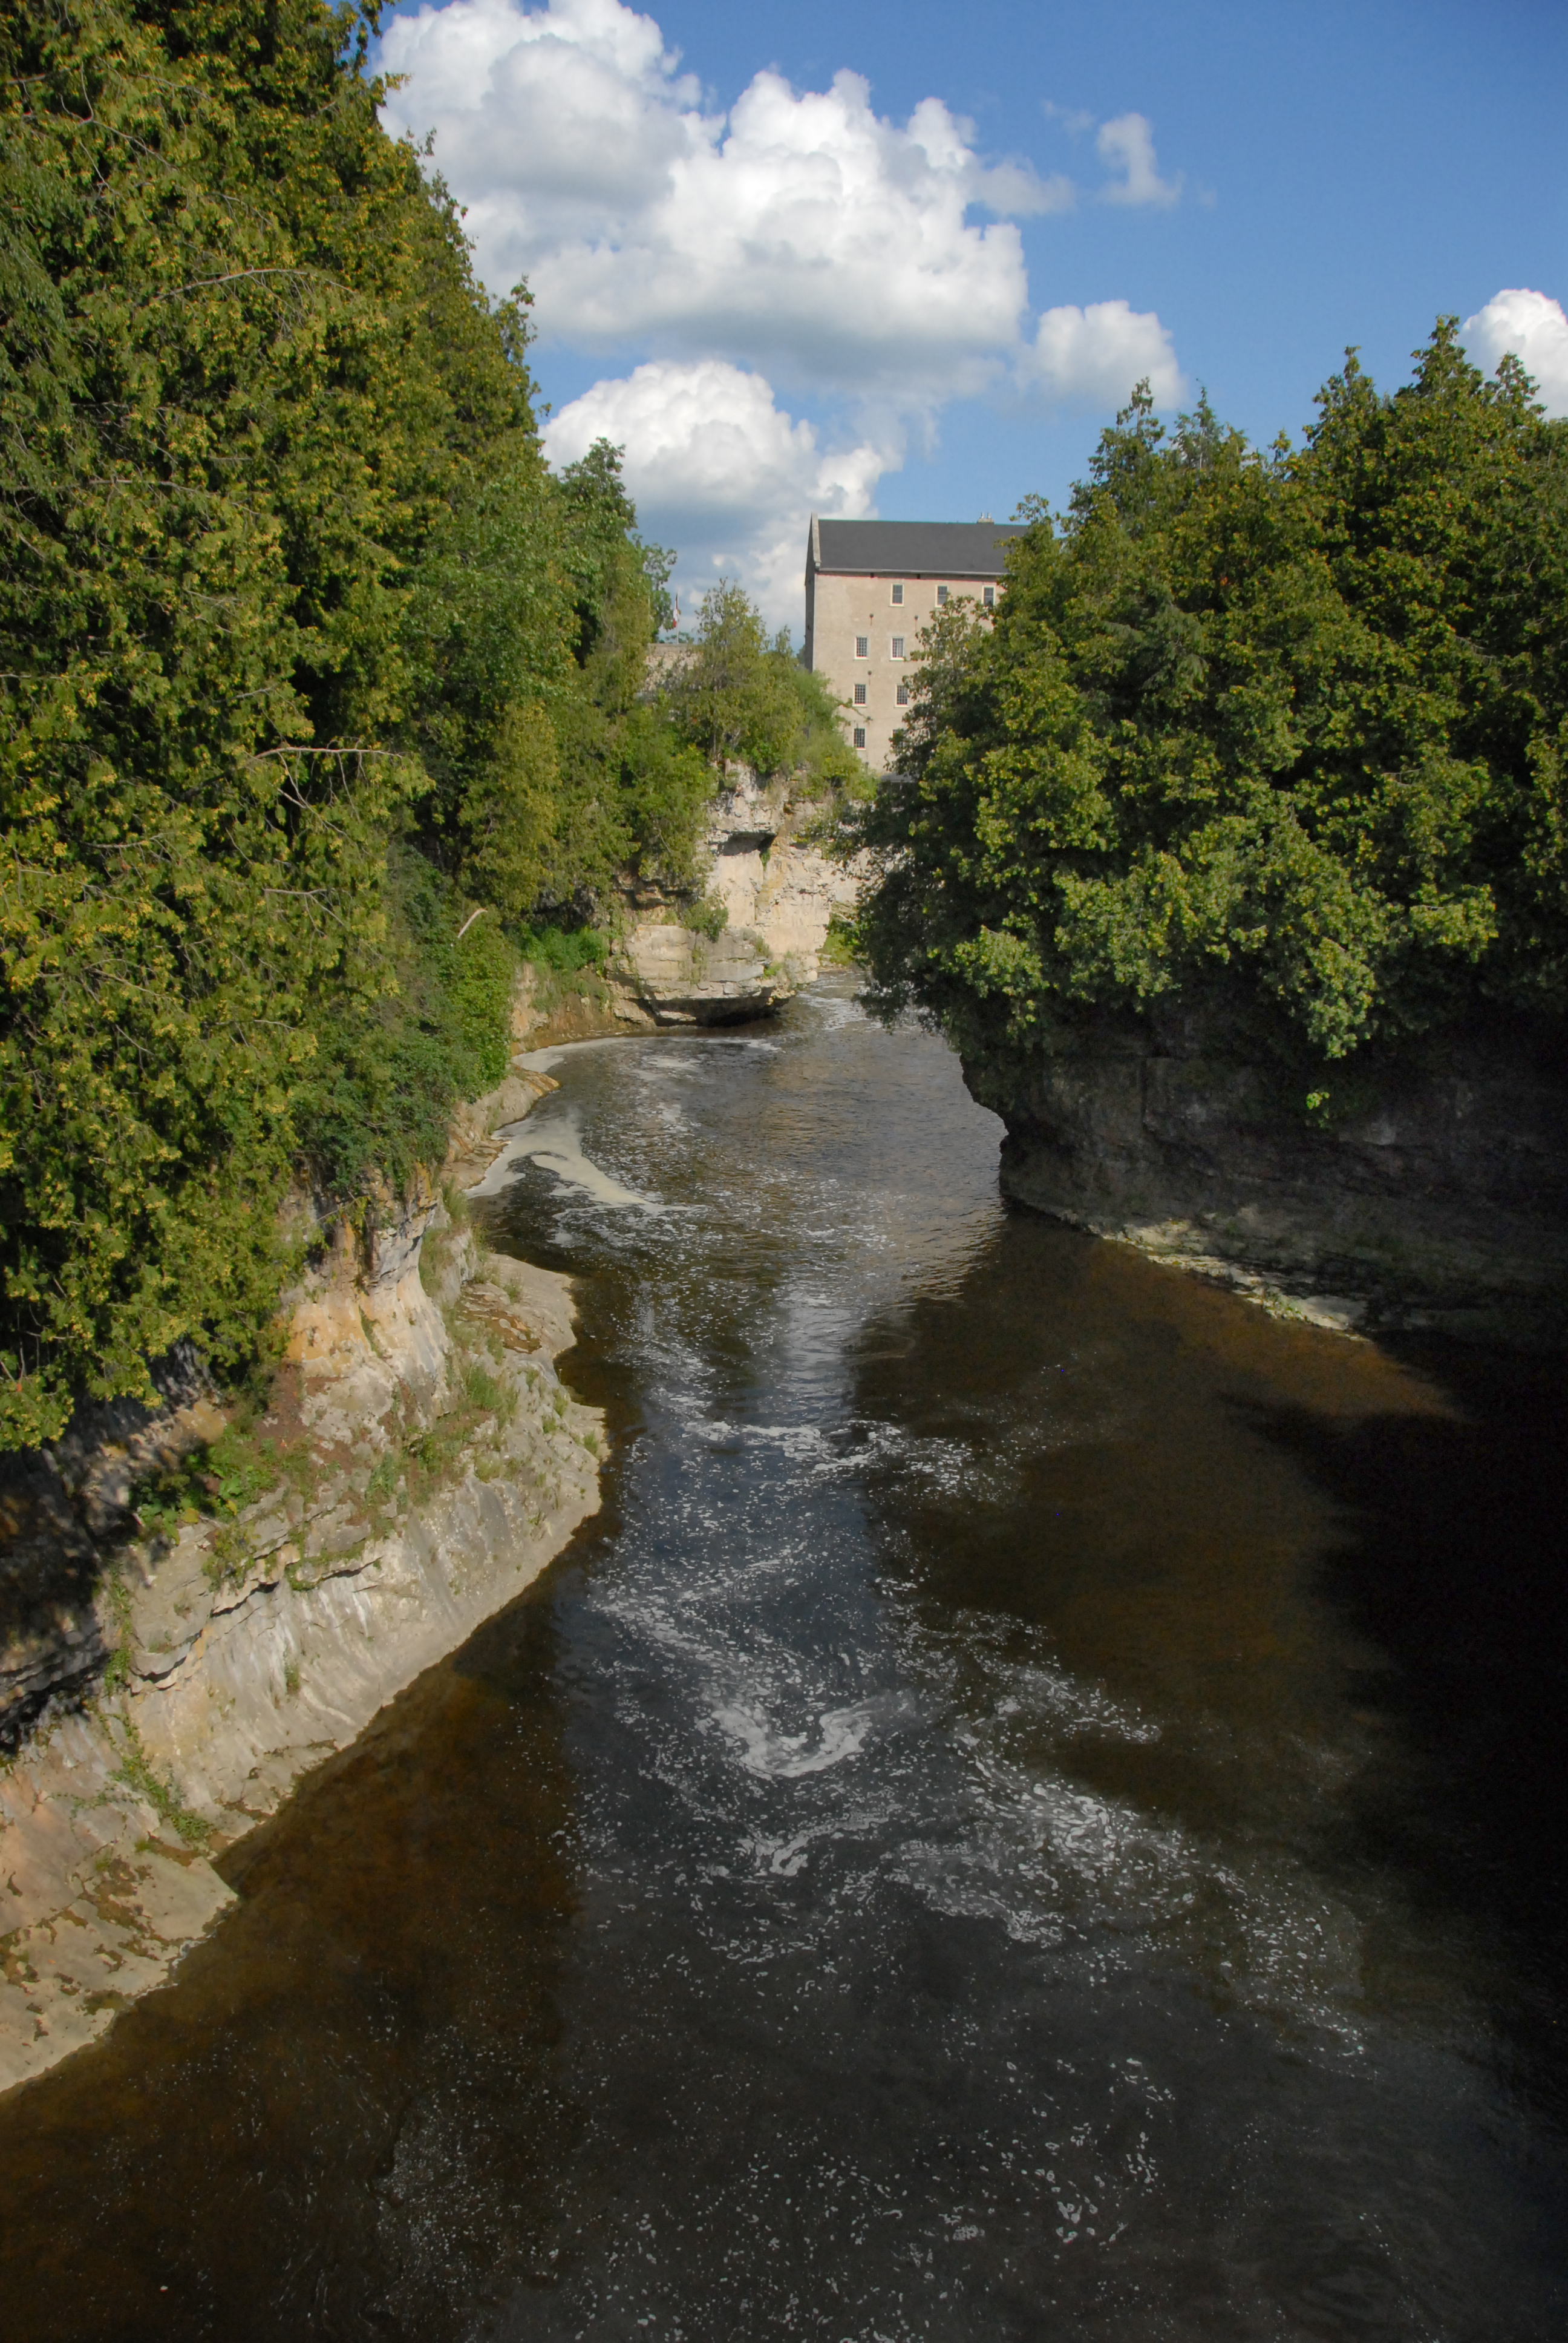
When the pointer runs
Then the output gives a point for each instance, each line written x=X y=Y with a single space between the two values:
x=952 y=1855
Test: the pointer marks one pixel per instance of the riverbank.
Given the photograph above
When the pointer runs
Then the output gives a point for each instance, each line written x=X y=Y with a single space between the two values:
x=1429 y=1196
x=772 y=896
x=429 y=1465
x=165 y=1681
x=1029 y=1747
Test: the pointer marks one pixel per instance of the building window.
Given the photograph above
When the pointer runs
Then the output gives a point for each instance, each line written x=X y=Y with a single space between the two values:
x=898 y=647
x=941 y=596
x=898 y=595
x=862 y=646
x=859 y=736
x=989 y=598
x=903 y=695
x=859 y=694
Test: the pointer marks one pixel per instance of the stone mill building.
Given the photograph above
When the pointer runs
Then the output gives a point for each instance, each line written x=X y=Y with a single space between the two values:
x=870 y=587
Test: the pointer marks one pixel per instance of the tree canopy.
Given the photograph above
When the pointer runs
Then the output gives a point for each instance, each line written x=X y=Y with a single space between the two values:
x=738 y=697
x=305 y=653
x=1284 y=730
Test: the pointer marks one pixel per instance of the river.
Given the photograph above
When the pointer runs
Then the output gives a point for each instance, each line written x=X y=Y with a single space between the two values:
x=1037 y=1810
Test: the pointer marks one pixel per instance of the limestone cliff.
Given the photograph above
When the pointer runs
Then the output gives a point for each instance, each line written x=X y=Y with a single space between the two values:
x=428 y=1464
x=779 y=892
x=1429 y=1191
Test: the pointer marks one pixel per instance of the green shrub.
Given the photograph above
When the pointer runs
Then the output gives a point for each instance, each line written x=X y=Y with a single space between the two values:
x=216 y=1482
x=378 y=1100
x=135 y=1771
x=564 y=952
x=708 y=918
x=484 y=1392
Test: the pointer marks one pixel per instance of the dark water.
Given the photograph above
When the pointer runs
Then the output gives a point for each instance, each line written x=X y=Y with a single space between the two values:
x=1038 y=1811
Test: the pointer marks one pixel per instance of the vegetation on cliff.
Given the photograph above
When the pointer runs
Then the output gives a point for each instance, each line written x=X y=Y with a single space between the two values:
x=1283 y=734
x=737 y=696
x=306 y=657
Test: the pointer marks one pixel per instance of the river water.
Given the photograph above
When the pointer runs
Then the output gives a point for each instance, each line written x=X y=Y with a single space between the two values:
x=1037 y=1811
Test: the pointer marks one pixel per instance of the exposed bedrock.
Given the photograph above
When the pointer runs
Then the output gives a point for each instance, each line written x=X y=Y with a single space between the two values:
x=60 y=1509
x=166 y=1684
x=778 y=892
x=1430 y=1189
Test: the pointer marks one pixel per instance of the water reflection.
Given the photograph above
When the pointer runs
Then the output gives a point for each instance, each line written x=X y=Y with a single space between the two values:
x=342 y=2119
x=1017 y=1823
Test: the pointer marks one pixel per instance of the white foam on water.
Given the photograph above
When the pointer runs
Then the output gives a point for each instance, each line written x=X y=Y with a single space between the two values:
x=1028 y=1845
x=835 y=1009
x=970 y=1763
x=540 y=1060
x=557 y=1147
x=1073 y=1705
x=821 y=1449
x=840 y=1734
x=783 y=1858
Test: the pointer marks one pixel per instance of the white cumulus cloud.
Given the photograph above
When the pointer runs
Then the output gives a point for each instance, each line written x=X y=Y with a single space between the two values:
x=795 y=237
x=813 y=232
x=552 y=126
x=1533 y=325
x=1094 y=355
x=1127 y=145
x=801 y=231
x=712 y=462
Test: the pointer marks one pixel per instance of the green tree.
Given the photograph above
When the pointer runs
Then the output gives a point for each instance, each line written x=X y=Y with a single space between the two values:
x=730 y=695
x=305 y=656
x=185 y=864
x=1281 y=733
x=247 y=377
x=740 y=696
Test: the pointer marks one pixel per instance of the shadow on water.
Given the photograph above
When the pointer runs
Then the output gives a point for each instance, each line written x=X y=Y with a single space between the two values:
x=341 y=2119
x=1336 y=1574
x=1031 y=1818
x=1453 y=1563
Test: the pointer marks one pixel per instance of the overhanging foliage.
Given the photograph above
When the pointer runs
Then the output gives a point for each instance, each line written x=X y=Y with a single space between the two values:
x=305 y=656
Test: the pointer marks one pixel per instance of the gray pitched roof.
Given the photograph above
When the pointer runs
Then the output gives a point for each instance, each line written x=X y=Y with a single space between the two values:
x=911 y=548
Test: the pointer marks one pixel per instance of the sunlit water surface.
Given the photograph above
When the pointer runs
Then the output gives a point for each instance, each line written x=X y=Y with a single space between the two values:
x=1036 y=1811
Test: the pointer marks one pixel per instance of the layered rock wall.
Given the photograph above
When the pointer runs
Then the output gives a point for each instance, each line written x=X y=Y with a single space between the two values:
x=779 y=892
x=429 y=1465
x=1432 y=1193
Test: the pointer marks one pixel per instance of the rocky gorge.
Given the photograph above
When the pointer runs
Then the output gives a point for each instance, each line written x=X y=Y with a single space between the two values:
x=773 y=892
x=163 y=1682
x=1428 y=1191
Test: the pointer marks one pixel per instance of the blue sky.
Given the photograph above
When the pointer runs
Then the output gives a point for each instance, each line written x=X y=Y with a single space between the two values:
x=921 y=292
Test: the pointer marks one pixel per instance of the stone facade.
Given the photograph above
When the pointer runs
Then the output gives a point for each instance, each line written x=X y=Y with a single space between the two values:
x=870 y=587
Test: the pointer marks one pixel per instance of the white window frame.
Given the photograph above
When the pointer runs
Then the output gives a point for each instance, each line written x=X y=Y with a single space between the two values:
x=898 y=595
x=989 y=598
x=899 y=642
x=903 y=693
x=862 y=646
x=859 y=736
x=941 y=597
x=859 y=694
